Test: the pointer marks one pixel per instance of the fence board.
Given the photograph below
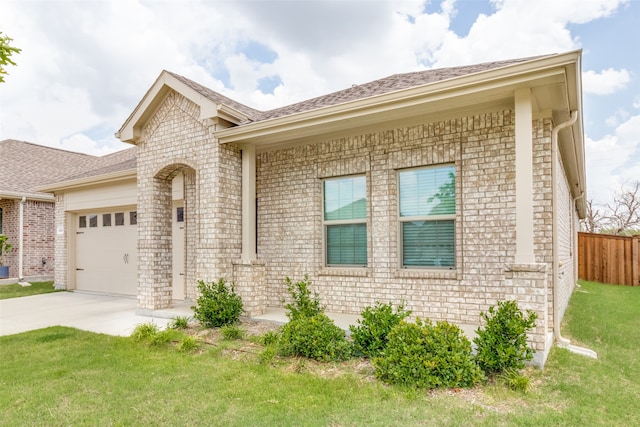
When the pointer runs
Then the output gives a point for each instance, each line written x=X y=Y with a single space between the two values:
x=609 y=259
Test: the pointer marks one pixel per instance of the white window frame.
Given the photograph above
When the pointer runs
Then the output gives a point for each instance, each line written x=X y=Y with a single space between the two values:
x=431 y=218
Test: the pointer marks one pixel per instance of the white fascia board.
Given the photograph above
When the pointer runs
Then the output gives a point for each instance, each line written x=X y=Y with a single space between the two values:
x=516 y=75
x=89 y=181
x=18 y=195
x=130 y=130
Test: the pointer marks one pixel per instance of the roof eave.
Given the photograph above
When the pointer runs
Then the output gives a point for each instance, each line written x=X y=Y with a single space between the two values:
x=107 y=178
x=130 y=131
x=30 y=195
x=431 y=92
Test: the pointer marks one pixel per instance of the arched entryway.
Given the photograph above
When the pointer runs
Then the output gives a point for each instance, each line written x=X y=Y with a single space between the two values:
x=166 y=236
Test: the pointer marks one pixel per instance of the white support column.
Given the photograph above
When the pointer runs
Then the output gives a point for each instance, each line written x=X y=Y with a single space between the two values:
x=248 y=202
x=524 y=178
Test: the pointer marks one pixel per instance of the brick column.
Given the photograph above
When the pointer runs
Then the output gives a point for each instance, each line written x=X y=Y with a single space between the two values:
x=248 y=277
x=154 y=244
x=64 y=228
x=527 y=284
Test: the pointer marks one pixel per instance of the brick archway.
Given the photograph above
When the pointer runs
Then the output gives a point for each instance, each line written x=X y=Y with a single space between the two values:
x=155 y=236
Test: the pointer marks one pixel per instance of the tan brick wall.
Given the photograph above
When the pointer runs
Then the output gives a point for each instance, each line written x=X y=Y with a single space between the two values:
x=566 y=243
x=175 y=140
x=289 y=189
x=63 y=252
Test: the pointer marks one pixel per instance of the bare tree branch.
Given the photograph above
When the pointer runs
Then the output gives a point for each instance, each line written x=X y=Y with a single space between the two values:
x=623 y=216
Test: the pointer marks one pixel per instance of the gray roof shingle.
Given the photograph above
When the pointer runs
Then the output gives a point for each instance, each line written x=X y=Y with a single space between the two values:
x=388 y=84
x=25 y=167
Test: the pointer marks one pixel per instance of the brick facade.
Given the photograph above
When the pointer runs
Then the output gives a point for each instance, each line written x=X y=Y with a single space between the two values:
x=38 y=237
x=290 y=227
x=482 y=147
x=174 y=141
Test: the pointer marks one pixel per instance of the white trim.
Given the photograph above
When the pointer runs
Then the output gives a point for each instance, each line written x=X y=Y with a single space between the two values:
x=524 y=177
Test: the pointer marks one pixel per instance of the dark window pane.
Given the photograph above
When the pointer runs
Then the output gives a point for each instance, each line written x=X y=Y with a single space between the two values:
x=106 y=220
x=82 y=221
x=93 y=221
x=428 y=244
x=347 y=244
x=133 y=218
x=119 y=218
x=180 y=214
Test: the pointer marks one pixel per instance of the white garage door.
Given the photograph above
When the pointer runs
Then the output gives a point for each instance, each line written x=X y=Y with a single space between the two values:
x=106 y=255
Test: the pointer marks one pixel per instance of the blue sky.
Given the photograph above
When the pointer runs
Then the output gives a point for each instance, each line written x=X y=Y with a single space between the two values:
x=86 y=64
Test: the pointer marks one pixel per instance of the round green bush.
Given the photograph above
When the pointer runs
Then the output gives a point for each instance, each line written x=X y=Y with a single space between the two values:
x=423 y=355
x=502 y=343
x=315 y=337
x=218 y=304
x=370 y=336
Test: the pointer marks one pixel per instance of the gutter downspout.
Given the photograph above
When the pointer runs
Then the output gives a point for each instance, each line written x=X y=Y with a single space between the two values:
x=21 y=281
x=562 y=342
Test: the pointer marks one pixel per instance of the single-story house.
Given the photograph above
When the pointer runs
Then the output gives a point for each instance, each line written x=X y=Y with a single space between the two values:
x=448 y=189
x=26 y=214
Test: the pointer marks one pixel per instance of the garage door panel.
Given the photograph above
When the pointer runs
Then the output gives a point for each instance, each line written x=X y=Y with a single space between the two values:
x=106 y=257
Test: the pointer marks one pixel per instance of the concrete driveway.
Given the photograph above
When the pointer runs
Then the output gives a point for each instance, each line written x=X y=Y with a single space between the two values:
x=106 y=314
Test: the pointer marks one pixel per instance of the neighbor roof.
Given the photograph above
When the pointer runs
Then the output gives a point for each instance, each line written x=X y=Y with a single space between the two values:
x=27 y=167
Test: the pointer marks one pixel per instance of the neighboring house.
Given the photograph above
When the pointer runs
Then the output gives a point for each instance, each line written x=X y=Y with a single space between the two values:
x=23 y=168
x=448 y=189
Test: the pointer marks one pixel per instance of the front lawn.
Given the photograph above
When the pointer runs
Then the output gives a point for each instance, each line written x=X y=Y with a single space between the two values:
x=62 y=376
x=36 y=288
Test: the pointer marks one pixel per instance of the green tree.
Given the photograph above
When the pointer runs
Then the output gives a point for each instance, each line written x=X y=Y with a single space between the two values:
x=6 y=50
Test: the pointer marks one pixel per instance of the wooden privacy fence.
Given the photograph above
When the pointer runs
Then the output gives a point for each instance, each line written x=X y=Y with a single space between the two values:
x=609 y=259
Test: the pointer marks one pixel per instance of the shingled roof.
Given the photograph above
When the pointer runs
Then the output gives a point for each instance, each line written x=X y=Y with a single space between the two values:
x=26 y=167
x=388 y=84
x=385 y=85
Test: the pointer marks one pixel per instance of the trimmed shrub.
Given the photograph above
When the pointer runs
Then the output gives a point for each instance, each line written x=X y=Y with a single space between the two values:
x=502 y=343
x=303 y=303
x=315 y=337
x=370 y=334
x=423 y=355
x=218 y=304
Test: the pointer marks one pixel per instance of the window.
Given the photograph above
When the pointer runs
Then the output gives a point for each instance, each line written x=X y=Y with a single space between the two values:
x=133 y=218
x=119 y=216
x=93 y=221
x=82 y=221
x=427 y=216
x=0 y=220
x=345 y=221
x=179 y=214
x=106 y=220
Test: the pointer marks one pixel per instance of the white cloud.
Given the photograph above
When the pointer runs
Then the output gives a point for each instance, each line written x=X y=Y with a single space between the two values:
x=612 y=160
x=605 y=82
x=85 y=65
x=521 y=28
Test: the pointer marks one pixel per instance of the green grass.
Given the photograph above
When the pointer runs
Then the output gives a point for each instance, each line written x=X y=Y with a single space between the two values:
x=36 y=288
x=63 y=376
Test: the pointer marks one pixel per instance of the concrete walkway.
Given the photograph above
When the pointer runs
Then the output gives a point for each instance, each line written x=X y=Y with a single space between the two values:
x=105 y=314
